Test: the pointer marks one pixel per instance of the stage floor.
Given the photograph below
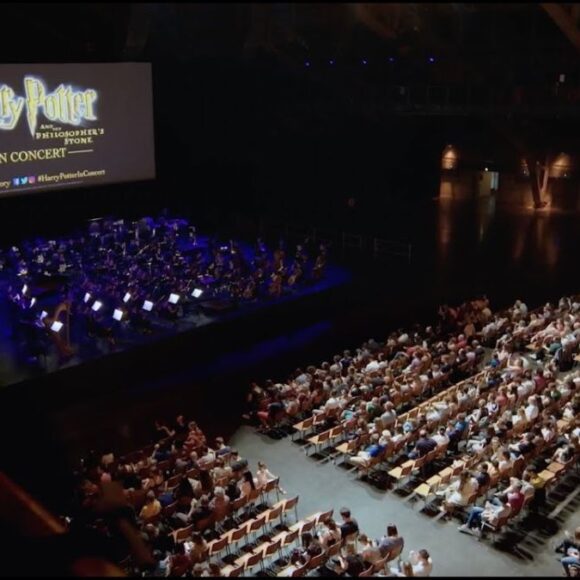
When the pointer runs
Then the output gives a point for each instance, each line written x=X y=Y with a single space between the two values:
x=17 y=366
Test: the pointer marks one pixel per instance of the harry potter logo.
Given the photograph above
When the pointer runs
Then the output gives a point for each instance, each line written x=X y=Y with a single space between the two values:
x=64 y=104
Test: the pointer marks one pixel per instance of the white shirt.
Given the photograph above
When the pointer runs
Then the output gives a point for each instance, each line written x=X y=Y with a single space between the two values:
x=532 y=412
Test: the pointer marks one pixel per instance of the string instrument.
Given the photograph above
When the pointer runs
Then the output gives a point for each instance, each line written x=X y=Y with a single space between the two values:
x=275 y=287
x=62 y=340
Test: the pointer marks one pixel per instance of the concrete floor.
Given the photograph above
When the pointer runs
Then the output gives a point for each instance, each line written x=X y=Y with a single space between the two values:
x=528 y=551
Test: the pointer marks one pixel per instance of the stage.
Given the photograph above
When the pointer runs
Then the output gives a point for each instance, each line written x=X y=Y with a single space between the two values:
x=16 y=366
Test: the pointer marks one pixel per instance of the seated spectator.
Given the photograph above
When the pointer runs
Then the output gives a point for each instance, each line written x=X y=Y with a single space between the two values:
x=152 y=507
x=423 y=446
x=330 y=534
x=369 y=552
x=391 y=542
x=349 y=525
x=421 y=562
x=493 y=511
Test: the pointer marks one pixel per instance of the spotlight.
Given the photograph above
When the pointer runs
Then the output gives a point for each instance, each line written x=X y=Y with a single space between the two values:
x=364 y=61
x=96 y=306
x=431 y=59
x=118 y=314
x=331 y=62
x=148 y=305
x=307 y=63
x=486 y=169
x=197 y=293
x=86 y=298
x=126 y=298
x=56 y=326
x=174 y=298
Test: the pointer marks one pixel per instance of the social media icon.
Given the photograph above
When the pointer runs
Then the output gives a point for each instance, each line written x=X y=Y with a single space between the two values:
x=32 y=180
x=16 y=181
x=23 y=180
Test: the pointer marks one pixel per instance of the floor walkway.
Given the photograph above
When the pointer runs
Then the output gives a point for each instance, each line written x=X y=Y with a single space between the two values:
x=325 y=486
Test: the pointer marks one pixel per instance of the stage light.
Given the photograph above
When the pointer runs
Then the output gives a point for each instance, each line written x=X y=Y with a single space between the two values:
x=148 y=305
x=126 y=298
x=307 y=63
x=43 y=315
x=431 y=59
x=486 y=169
x=331 y=62
x=118 y=314
x=32 y=302
x=391 y=59
x=364 y=61
x=97 y=306
x=24 y=289
x=197 y=293
x=174 y=298
x=87 y=297
x=56 y=326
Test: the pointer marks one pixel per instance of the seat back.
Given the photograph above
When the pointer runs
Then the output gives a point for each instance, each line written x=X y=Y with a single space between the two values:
x=290 y=503
x=324 y=517
x=368 y=573
x=290 y=538
x=299 y=572
x=317 y=561
x=307 y=526
x=238 y=533
x=183 y=534
x=272 y=548
x=238 y=571
x=395 y=552
x=274 y=513
x=218 y=545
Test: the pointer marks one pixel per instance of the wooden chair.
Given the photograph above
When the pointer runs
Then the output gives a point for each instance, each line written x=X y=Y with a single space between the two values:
x=249 y=561
x=233 y=571
x=334 y=549
x=273 y=514
x=402 y=472
x=303 y=426
x=216 y=546
x=379 y=565
x=237 y=534
x=271 y=549
x=300 y=572
x=291 y=504
x=182 y=534
x=317 y=561
x=368 y=573
x=272 y=485
x=256 y=525
x=318 y=440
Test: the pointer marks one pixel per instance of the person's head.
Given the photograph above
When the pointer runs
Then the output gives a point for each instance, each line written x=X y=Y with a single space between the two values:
x=345 y=513
x=219 y=492
x=150 y=496
x=331 y=525
x=392 y=531
x=197 y=538
x=306 y=539
x=261 y=465
x=424 y=555
x=423 y=434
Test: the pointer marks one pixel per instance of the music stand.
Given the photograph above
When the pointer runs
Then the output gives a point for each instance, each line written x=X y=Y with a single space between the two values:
x=86 y=298
x=148 y=305
x=56 y=326
x=127 y=297
x=96 y=306
x=197 y=293
x=118 y=315
x=174 y=298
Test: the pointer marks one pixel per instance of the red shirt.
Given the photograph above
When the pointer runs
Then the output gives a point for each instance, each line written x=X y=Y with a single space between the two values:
x=516 y=501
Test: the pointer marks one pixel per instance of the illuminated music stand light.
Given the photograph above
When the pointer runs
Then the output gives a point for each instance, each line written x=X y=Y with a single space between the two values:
x=86 y=298
x=56 y=326
x=127 y=297
x=24 y=289
x=32 y=302
x=96 y=306
x=148 y=305
x=118 y=315
x=43 y=315
x=197 y=293
x=174 y=298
